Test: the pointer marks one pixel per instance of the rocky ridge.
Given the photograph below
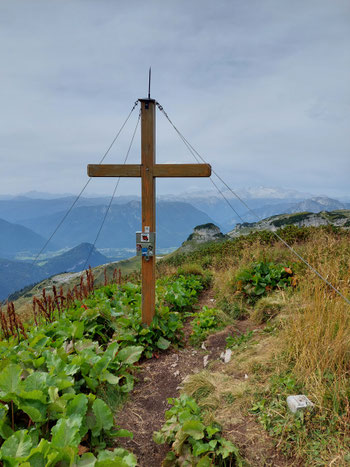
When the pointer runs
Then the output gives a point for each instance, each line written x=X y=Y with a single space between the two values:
x=203 y=233
x=338 y=218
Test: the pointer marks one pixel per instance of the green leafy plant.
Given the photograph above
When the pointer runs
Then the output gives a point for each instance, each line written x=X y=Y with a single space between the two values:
x=205 y=322
x=49 y=379
x=261 y=278
x=239 y=342
x=192 y=441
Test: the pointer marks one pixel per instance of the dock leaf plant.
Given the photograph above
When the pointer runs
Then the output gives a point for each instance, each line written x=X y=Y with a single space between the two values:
x=191 y=440
x=51 y=382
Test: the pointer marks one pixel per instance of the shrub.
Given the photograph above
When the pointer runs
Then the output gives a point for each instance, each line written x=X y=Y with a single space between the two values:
x=206 y=322
x=261 y=278
x=192 y=441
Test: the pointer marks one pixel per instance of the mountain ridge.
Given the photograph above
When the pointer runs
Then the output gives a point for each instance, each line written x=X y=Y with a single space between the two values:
x=338 y=218
x=15 y=275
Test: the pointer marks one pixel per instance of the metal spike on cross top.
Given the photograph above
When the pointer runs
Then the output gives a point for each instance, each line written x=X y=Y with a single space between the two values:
x=148 y=170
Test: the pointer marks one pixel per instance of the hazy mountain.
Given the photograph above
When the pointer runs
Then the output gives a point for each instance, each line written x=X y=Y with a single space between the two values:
x=317 y=204
x=264 y=201
x=21 y=207
x=175 y=222
x=14 y=275
x=340 y=218
x=16 y=238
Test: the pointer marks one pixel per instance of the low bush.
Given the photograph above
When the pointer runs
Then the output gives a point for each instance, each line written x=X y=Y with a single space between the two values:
x=207 y=321
x=262 y=277
x=192 y=441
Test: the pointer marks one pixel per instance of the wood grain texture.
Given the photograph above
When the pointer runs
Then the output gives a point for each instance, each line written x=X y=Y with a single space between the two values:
x=148 y=157
x=114 y=170
x=182 y=170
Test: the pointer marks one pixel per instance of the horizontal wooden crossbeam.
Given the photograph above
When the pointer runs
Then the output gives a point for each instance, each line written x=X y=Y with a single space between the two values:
x=114 y=170
x=159 y=170
x=181 y=170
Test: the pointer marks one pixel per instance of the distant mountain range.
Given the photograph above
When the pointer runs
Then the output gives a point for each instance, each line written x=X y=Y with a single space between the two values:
x=14 y=275
x=15 y=238
x=175 y=220
x=340 y=218
x=26 y=222
x=315 y=204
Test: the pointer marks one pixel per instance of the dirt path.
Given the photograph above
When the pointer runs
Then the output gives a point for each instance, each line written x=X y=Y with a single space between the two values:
x=144 y=412
x=160 y=378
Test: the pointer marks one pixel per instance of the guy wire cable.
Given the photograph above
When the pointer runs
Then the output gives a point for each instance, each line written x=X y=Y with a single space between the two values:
x=196 y=155
x=84 y=187
x=113 y=195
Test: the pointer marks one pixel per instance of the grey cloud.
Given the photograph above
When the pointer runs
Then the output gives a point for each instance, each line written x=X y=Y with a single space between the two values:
x=260 y=88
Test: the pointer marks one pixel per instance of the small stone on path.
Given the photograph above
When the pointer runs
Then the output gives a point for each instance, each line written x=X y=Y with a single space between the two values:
x=299 y=402
x=226 y=356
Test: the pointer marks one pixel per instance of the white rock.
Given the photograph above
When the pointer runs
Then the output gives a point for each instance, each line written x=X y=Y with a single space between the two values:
x=177 y=372
x=203 y=346
x=226 y=356
x=298 y=402
x=246 y=376
x=205 y=360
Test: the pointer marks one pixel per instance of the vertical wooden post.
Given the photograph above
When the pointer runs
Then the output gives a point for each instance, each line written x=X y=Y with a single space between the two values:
x=148 y=156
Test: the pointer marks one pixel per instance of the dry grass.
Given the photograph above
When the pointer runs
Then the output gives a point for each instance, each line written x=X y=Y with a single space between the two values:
x=314 y=342
x=317 y=333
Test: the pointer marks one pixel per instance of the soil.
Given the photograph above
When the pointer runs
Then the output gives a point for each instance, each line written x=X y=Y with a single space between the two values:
x=160 y=378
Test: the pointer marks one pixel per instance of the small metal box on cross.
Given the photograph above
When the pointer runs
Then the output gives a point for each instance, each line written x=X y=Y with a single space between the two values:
x=148 y=170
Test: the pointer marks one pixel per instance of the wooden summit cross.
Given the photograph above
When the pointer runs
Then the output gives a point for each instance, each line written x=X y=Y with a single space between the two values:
x=148 y=171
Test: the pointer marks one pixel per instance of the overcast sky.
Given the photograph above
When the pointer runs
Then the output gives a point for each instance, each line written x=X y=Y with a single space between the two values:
x=259 y=87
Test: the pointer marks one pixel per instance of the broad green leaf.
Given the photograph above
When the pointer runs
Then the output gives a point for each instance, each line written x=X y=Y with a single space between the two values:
x=211 y=430
x=10 y=379
x=63 y=457
x=91 y=383
x=71 y=369
x=63 y=382
x=103 y=415
x=87 y=460
x=78 y=405
x=130 y=354
x=37 y=380
x=120 y=456
x=185 y=415
x=199 y=448
x=163 y=343
x=194 y=428
x=158 y=437
x=66 y=432
x=35 y=460
x=213 y=443
x=109 y=377
x=38 y=362
x=35 y=409
x=39 y=341
x=17 y=446
x=57 y=404
x=5 y=430
x=35 y=395
x=111 y=350
x=77 y=329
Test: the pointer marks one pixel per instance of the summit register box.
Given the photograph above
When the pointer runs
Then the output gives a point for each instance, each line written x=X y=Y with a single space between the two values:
x=145 y=244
